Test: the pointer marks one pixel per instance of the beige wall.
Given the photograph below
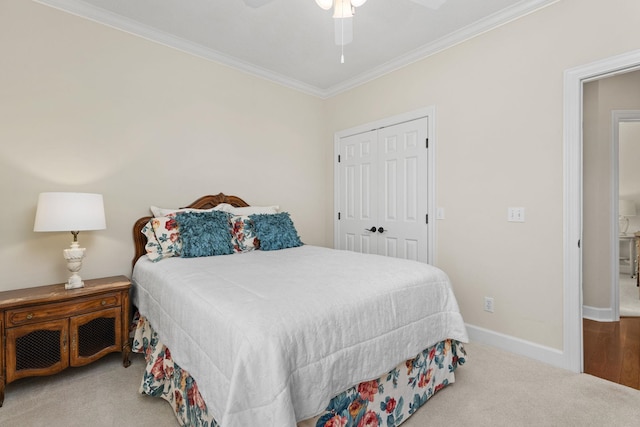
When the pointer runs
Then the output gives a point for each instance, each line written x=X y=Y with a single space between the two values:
x=84 y=107
x=601 y=97
x=499 y=100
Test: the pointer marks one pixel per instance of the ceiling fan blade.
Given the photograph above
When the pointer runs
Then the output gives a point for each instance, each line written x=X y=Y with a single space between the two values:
x=256 y=3
x=431 y=4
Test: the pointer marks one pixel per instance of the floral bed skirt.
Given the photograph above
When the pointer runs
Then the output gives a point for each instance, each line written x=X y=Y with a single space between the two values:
x=388 y=400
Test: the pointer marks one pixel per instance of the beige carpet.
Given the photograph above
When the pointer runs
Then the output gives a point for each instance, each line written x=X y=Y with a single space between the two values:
x=494 y=388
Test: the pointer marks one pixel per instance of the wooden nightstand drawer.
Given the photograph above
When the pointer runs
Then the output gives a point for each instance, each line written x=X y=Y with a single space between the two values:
x=46 y=312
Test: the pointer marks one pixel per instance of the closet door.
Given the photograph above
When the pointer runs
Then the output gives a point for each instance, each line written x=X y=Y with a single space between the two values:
x=383 y=191
x=402 y=190
x=359 y=193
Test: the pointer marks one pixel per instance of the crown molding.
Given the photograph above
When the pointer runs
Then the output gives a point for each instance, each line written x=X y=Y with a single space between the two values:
x=105 y=17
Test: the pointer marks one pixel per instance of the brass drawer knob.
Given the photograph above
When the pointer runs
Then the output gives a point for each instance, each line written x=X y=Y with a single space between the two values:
x=103 y=302
x=29 y=316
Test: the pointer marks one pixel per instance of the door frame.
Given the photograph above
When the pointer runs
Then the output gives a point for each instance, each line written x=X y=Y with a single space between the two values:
x=574 y=79
x=430 y=114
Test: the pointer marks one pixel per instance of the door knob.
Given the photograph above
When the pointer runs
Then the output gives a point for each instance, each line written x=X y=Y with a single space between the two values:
x=372 y=229
x=381 y=230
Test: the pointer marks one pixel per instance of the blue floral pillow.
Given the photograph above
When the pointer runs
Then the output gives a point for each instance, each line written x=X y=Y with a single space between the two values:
x=275 y=231
x=204 y=233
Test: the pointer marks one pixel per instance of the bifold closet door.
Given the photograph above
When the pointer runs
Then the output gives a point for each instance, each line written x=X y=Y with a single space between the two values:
x=402 y=190
x=359 y=192
x=383 y=191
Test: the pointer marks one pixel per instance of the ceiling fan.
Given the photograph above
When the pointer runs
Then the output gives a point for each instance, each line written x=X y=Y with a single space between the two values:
x=343 y=15
x=431 y=4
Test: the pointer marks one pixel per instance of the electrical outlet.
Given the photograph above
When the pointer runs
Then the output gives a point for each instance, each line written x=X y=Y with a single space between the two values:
x=488 y=304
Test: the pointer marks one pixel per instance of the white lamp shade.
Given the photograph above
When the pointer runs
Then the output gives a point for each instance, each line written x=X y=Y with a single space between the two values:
x=70 y=212
x=325 y=4
x=627 y=208
x=358 y=3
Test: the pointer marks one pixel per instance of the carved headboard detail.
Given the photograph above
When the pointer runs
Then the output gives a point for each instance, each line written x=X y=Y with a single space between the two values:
x=204 y=202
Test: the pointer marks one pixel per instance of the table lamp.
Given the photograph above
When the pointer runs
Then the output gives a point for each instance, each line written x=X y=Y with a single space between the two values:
x=72 y=212
x=626 y=208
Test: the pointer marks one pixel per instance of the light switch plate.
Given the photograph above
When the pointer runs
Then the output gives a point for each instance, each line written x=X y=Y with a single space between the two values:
x=515 y=214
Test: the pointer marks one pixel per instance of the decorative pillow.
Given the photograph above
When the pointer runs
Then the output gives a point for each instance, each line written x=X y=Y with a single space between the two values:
x=163 y=238
x=275 y=231
x=243 y=234
x=205 y=233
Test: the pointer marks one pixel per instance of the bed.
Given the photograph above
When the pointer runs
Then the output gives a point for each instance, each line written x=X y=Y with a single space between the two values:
x=268 y=331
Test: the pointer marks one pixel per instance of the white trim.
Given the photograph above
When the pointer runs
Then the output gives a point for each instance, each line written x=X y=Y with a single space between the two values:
x=614 y=261
x=102 y=16
x=572 y=216
x=515 y=345
x=572 y=221
x=430 y=114
x=599 y=314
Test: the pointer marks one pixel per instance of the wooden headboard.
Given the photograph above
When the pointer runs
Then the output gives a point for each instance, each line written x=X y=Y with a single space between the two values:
x=204 y=202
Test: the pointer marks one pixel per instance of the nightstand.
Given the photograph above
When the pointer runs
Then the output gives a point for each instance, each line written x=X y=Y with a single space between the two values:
x=46 y=329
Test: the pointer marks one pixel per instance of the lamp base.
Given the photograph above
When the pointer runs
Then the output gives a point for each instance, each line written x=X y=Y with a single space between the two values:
x=75 y=281
x=623 y=225
x=74 y=257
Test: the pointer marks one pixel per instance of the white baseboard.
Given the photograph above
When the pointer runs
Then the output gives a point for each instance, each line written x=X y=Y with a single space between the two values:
x=515 y=345
x=597 y=314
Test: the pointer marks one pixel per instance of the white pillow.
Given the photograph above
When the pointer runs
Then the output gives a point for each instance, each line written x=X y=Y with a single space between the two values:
x=251 y=210
x=160 y=212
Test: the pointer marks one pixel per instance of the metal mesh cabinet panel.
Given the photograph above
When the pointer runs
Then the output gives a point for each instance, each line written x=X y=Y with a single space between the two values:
x=96 y=335
x=38 y=350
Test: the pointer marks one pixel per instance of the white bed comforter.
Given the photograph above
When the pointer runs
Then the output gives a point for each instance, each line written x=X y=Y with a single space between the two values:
x=271 y=337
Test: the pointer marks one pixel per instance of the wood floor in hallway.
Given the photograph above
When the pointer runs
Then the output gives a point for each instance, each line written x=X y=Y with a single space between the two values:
x=612 y=350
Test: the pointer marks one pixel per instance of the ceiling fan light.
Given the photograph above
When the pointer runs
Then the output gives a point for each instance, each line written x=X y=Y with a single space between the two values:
x=325 y=4
x=342 y=9
x=358 y=3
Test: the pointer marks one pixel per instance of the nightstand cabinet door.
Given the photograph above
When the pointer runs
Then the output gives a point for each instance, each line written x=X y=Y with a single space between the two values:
x=95 y=334
x=37 y=349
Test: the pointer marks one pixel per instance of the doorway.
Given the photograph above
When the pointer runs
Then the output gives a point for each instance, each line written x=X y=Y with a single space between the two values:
x=574 y=80
x=607 y=251
x=611 y=333
x=626 y=140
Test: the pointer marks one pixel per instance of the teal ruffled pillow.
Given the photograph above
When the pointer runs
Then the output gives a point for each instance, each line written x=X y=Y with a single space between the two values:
x=275 y=231
x=205 y=233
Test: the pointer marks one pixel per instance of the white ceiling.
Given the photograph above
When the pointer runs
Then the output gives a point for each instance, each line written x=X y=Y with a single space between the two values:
x=292 y=43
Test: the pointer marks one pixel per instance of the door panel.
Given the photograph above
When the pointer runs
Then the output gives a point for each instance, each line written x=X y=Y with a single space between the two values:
x=404 y=190
x=358 y=201
x=37 y=349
